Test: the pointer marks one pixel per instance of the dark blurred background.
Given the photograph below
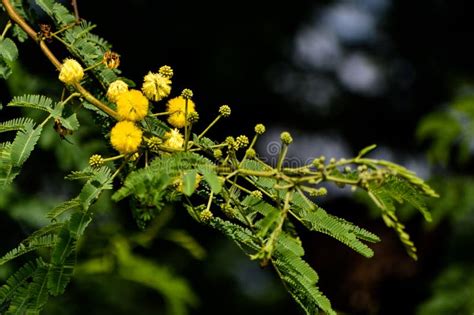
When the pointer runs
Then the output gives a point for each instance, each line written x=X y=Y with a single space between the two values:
x=339 y=75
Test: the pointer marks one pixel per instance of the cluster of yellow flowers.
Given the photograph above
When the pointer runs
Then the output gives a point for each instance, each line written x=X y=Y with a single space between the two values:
x=133 y=106
x=176 y=107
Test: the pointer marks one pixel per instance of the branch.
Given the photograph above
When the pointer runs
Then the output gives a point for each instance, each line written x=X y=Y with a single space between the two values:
x=47 y=52
x=76 y=10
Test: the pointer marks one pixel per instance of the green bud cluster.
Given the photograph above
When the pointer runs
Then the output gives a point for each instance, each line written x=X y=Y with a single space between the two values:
x=257 y=194
x=96 y=161
x=251 y=154
x=241 y=142
x=217 y=153
x=225 y=110
x=193 y=117
x=206 y=215
x=286 y=137
x=153 y=143
x=166 y=71
x=187 y=94
x=260 y=129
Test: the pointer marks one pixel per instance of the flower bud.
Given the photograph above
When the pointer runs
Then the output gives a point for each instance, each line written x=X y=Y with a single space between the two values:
x=286 y=137
x=166 y=71
x=193 y=117
x=225 y=110
x=206 y=215
x=241 y=142
x=250 y=153
x=96 y=161
x=153 y=143
x=187 y=94
x=217 y=153
x=257 y=194
x=259 y=129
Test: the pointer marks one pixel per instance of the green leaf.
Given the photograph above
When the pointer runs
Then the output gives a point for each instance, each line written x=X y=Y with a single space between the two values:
x=383 y=197
x=7 y=170
x=300 y=279
x=62 y=15
x=366 y=150
x=211 y=178
x=78 y=223
x=39 y=289
x=186 y=241
x=46 y=5
x=60 y=275
x=64 y=247
x=8 y=50
x=86 y=174
x=20 y=302
x=63 y=207
x=243 y=237
x=23 y=248
x=19 y=33
x=256 y=205
x=39 y=102
x=16 y=124
x=5 y=70
x=265 y=224
x=175 y=290
x=16 y=281
x=189 y=182
x=317 y=219
x=23 y=144
x=50 y=229
x=70 y=122
x=93 y=188
x=401 y=191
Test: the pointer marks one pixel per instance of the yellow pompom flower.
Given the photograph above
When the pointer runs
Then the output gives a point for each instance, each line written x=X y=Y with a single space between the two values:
x=71 y=71
x=115 y=89
x=156 y=86
x=132 y=105
x=174 y=139
x=176 y=106
x=126 y=137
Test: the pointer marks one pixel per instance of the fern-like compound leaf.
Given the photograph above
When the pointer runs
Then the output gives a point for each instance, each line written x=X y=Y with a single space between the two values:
x=39 y=102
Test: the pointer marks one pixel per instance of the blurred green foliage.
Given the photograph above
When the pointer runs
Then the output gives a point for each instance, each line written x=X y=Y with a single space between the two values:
x=450 y=132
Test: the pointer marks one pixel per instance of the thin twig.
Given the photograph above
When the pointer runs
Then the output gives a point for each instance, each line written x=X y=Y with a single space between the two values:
x=76 y=10
x=47 y=52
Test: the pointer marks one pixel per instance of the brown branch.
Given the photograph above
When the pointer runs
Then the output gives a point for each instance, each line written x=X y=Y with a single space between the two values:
x=45 y=49
x=76 y=10
x=19 y=20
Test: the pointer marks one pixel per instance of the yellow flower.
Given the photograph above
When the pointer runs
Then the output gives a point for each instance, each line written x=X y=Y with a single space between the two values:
x=132 y=105
x=125 y=137
x=71 y=71
x=175 y=139
x=115 y=89
x=176 y=106
x=156 y=86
